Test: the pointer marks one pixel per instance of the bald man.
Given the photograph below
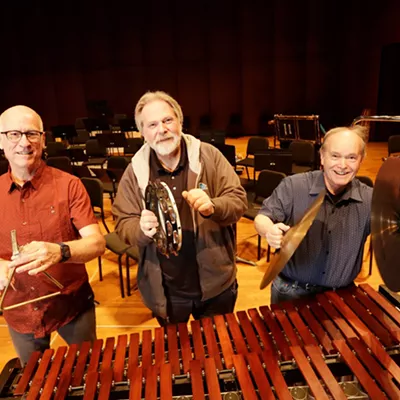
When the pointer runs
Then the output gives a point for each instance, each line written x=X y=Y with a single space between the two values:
x=330 y=256
x=57 y=231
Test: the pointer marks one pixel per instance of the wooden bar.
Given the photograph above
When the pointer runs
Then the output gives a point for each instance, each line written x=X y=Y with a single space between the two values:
x=261 y=330
x=317 y=329
x=159 y=347
x=382 y=302
x=106 y=378
x=301 y=327
x=196 y=380
x=38 y=380
x=199 y=353
x=214 y=392
x=348 y=313
x=54 y=371
x=286 y=326
x=260 y=377
x=245 y=382
x=280 y=339
x=119 y=361
x=185 y=346
x=248 y=330
x=165 y=382
x=136 y=379
x=77 y=379
x=326 y=322
x=379 y=374
x=91 y=385
x=236 y=333
x=276 y=376
x=151 y=384
x=66 y=373
x=325 y=373
x=95 y=356
x=378 y=350
x=133 y=354
x=173 y=354
x=27 y=374
x=336 y=317
x=370 y=322
x=224 y=340
x=108 y=353
x=359 y=371
x=212 y=346
x=378 y=313
x=146 y=350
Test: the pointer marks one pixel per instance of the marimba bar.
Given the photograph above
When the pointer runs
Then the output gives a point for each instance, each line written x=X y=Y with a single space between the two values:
x=336 y=345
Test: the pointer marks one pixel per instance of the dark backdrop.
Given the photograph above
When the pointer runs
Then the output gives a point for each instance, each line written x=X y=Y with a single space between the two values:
x=217 y=57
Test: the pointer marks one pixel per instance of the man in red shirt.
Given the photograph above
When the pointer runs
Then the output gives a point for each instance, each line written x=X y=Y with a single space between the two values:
x=57 y=231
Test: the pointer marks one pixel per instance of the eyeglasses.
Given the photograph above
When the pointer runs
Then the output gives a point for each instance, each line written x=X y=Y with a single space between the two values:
x=15 y=136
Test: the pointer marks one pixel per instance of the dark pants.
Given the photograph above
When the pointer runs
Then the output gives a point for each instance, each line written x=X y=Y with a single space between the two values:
x=79 y=330
x=284 y=289
x=179 y=309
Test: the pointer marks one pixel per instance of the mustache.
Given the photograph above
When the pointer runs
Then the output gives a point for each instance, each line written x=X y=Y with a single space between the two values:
x=164 y=138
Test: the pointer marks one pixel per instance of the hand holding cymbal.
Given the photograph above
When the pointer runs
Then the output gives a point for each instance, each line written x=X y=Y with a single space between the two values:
x=291 y=240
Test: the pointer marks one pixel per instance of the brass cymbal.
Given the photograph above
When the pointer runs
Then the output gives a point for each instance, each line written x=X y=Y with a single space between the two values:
x=385 y=222
x=291 y=241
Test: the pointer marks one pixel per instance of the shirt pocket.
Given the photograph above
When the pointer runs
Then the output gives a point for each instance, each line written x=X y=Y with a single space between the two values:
x=53 y=222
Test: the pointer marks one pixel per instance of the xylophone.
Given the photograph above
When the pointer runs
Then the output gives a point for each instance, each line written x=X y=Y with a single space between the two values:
x=336 y=345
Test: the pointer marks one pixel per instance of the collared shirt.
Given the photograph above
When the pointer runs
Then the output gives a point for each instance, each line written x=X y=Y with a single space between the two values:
x=180 y=273
x=52 y=207
x=331 y=252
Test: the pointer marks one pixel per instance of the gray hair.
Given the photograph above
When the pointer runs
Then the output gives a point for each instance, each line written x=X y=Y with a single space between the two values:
x=153 y=96
x=360 y=131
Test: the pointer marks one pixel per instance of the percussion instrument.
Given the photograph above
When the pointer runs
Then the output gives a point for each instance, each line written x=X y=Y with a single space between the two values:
x=160 y=200
x=385 y=221
x=337 y=345
x=385 y=212
x=15 y=253
x=291 y=241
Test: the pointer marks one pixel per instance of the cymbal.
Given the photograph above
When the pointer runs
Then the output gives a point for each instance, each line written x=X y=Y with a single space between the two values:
x=291 y=241
x=385 y=222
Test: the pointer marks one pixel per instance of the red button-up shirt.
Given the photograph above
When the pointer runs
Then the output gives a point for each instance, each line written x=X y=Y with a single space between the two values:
x=52 y=207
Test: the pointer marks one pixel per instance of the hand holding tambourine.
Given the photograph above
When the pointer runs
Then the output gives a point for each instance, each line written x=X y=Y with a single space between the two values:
x=160 y=220
x=148 y=223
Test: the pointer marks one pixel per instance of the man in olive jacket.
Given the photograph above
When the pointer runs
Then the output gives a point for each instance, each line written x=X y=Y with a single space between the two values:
x=201 y=279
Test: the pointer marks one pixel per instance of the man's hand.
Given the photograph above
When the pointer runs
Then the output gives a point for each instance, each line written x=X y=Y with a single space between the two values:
x=148 y=223
x=36 y=257
x=198 y=200
x=274 y=235
x=4 y=273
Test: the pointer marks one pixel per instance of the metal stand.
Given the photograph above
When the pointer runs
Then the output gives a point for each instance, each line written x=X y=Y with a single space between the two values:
x=240 y=259
x=245 y=261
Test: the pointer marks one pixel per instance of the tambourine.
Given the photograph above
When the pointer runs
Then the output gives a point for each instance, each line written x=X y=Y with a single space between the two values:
x=160 y=200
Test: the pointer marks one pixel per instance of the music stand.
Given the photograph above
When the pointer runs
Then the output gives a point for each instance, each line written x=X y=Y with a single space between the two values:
x=279 y=161
x=96 y=125
x=213 y=137
x=128 y=125
x=296 y=127
x=112 y=140
x=64 y=132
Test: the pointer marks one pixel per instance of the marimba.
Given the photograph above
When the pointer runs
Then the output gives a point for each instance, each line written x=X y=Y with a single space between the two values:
x=336 y=345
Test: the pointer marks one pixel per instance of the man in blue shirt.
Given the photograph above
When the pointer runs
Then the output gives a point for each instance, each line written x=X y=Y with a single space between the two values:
x=330 y=256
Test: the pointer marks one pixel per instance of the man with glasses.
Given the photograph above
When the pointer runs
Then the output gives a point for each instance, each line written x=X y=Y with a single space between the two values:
x=57 y=233
x=330 y=255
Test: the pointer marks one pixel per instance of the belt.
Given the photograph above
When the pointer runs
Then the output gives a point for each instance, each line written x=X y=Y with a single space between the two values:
x=305 y=286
